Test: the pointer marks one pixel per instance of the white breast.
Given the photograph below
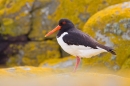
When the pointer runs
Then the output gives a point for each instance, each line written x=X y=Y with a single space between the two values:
x=78 y=50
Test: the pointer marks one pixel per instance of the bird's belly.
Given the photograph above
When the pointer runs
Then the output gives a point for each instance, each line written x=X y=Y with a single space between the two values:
x=79 y=50
x=67 y=48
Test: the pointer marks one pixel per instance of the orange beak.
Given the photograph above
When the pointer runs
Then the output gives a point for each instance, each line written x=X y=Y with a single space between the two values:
x=54 y=30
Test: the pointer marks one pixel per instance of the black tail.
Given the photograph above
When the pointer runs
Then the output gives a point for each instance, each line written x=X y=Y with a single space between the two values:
x=107 y=48
x=112 y=51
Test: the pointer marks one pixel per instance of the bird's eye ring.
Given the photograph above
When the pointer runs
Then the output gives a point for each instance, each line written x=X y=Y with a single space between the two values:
x=63 y=22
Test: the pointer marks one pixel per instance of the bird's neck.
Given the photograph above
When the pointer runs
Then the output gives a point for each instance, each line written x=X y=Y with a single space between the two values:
x=61 y=31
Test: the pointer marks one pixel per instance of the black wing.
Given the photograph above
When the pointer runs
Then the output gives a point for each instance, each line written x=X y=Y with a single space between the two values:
x=77 y=37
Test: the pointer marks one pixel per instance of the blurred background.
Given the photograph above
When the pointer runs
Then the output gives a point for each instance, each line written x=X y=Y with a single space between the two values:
x=23 y=24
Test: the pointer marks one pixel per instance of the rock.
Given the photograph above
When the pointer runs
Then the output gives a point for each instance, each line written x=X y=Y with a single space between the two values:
x=21 y=25
x=24 y=17
x=66 y=62
x=110 y=26
x=24 y=21
x=126 y=64
x=38 y=76
x=40 y=22
x=79 y=11
x=13 y=17
x=33 y=53
x=9 y=47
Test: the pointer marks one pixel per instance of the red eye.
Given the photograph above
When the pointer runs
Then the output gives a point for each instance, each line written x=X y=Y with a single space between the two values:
x=64 y=22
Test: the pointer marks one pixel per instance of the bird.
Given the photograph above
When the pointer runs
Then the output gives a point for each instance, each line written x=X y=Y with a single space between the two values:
x=77 y=43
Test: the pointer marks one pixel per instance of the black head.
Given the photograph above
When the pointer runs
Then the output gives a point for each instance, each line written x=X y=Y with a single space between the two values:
x=65 y=24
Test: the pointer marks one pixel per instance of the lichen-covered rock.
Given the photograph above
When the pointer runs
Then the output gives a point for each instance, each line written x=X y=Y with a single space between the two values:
x=18 y=17
x=40 y=22
x=45 y=14
x=66 y=62
x=24 y=21
x=79 y=11
x=38 y=76
x=33 y=53
x=22 y=28
x=111 y=26
x=126 y=64
x=21 y=17
x=15 y=17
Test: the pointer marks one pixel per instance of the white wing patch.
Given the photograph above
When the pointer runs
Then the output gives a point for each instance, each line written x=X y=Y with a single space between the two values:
x=79 y=50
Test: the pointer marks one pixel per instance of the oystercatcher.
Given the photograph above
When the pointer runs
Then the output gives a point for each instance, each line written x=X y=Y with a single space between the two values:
x=77 y=43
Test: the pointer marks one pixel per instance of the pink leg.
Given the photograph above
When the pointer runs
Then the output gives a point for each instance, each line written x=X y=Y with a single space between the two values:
x=77 y=63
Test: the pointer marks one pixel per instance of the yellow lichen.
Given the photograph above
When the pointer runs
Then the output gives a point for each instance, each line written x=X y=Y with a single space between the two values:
x=111 y=17
x=76 y=9
x=55 y=61
x=33 y=53
x=7 y=21
x=112 y=13
x=16 y=5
